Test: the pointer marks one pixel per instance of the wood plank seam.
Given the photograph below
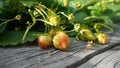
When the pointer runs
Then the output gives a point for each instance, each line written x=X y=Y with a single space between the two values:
x=88 y=57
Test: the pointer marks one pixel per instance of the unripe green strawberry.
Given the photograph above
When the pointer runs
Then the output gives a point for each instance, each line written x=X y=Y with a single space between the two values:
x=86 y=34
x=65 y=3
x=44 y=41
x=54 y=19
x=102 y=38
x=78 y=5
x=71 y=17
x=61 y=41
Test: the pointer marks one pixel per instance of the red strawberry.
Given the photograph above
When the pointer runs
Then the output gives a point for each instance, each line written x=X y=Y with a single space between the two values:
x=61 y=41
x=102 y=39
x=44 y=41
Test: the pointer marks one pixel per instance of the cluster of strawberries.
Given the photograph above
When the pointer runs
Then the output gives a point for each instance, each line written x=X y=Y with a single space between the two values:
x=59 y=40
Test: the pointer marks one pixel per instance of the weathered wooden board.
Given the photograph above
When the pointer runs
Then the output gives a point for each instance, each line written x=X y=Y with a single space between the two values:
x=75 y=56
x=34 y=57
x=108 y=59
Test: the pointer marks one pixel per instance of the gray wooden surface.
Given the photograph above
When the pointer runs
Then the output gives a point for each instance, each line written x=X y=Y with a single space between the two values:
x=77 y=55
x=107 y=59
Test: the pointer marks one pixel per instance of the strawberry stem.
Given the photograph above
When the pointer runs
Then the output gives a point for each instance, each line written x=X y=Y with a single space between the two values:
x=29 y=25
x=97 y=29
x=7 y=21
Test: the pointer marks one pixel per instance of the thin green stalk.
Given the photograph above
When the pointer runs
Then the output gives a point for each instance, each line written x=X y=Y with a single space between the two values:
x=97 y=24
x=3 y=19
x=7 y=21
x=28 y=28
x=63 y=14
x=57 y=7
x=29 y=25
x=40 y=13
x=49 y=10
x=46 y=24
x=89 y=17
x=26 y=32
x=44 y=21
x=44 y=12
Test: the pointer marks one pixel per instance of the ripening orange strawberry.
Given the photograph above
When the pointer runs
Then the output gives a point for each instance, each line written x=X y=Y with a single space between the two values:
x=44 y=41
x=61 y=41
x=102 y=38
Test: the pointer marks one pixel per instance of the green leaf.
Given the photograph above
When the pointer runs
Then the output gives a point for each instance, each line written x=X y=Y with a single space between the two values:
x=95 y=13
x=114 y=7
x=80 y=15
x=28 y=3
x=12 y=38
x=116 y=11
x=84 y=4
x=2 y=28
x=108 y=21
x=109 y=12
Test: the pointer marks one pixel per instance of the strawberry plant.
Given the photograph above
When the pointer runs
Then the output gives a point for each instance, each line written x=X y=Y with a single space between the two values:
x=81 y=19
